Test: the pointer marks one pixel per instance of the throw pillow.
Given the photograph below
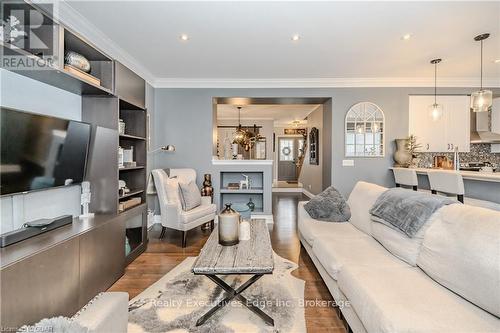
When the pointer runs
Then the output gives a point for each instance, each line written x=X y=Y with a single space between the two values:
x=190 y=196
x=329 y=206
x=172 y=190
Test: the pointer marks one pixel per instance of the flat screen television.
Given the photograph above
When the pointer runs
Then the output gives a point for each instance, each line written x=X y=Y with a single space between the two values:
x=40 y=152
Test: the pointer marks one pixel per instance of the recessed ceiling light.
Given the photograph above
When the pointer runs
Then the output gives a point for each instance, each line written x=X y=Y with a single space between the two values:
x=497 y=61
x=406 y=37
x=295 y=38
x=184 y=37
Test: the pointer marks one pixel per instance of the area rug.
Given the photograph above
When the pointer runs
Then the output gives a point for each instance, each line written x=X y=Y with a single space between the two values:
x=176 y=301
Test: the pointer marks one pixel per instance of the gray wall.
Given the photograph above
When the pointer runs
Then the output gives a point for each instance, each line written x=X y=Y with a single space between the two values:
x=184 y=117
x=22 y=93
x=311 y=175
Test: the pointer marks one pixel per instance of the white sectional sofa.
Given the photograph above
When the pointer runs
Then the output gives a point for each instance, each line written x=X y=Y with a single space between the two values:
x=445 y=279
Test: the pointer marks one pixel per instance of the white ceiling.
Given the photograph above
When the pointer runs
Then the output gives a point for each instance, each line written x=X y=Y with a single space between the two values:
x=340 y=41
x=281 y=113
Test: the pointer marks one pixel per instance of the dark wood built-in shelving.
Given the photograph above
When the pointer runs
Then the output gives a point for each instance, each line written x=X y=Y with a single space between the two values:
x=130 y=194
x=131 y=137
x=139 y=167
x=94 y=260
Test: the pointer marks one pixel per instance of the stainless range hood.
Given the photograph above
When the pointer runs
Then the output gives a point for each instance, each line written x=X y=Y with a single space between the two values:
x=482 y=125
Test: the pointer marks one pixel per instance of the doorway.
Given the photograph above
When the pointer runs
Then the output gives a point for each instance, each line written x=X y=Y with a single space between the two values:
x=290 y=158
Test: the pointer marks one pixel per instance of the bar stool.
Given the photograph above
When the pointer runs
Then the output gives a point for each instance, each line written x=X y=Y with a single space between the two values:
x=406 y=177
x=448 y=182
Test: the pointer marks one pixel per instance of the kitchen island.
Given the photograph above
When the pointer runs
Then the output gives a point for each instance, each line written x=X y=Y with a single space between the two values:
x=469 y=175
x=478 y=185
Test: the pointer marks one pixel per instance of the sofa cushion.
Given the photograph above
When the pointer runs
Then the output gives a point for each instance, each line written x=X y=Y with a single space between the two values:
x=329 y=206
x=362 y=198
x=310 y=228
x=334 y=252
x=461 y=251
x=405 y=299
x=399 y=244
x=196 y=213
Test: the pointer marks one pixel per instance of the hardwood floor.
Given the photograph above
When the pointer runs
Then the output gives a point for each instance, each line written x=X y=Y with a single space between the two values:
x=163 y=255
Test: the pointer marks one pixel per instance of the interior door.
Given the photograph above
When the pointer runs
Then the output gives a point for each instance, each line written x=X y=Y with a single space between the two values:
x=288 y=156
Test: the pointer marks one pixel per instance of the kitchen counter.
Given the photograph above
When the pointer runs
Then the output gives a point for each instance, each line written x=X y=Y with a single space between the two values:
x=482 y=186
x=468 y=175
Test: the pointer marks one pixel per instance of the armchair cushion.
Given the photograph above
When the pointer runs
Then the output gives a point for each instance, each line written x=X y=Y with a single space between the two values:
x=190 y=195
x=197 y=213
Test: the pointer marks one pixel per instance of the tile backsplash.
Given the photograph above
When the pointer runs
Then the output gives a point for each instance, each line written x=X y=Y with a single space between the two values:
x=478 y=153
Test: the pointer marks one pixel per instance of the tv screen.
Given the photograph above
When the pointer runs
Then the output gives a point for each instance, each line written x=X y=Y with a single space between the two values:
x=39 y=152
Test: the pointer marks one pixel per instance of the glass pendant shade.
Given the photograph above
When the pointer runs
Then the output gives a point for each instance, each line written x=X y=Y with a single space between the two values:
x=436 y=111
x=481 y=101
x=239 y=136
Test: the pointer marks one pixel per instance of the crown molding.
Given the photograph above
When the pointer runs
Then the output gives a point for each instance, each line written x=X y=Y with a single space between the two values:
x=321 y=82
x=71 y=18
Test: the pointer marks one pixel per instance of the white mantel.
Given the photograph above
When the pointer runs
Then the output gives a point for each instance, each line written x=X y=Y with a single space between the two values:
x=216 y=161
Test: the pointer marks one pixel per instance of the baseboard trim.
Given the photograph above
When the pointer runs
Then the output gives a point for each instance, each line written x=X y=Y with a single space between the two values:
x=287 y=189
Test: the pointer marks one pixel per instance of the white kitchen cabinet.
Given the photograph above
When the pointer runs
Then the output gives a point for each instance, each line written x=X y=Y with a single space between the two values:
x=442 y=135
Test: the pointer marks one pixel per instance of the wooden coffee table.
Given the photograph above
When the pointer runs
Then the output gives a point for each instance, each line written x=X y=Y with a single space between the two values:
x=252 y=257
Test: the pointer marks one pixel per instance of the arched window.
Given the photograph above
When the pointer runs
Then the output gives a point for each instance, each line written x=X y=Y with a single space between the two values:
x=364 y=131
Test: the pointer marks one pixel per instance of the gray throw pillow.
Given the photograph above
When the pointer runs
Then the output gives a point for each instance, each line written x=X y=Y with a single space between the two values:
x=329 y=206
x=190 y=196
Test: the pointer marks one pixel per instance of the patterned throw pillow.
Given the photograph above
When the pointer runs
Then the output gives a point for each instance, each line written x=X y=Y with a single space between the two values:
x=190 y=196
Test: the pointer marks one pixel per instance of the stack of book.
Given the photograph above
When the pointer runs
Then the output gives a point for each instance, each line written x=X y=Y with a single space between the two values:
x=233 y=186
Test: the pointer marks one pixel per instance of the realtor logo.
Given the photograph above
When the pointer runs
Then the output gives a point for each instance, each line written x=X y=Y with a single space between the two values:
x=26 y=32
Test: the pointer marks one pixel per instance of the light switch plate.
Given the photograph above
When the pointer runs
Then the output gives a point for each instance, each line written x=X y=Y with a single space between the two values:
x=348 y=163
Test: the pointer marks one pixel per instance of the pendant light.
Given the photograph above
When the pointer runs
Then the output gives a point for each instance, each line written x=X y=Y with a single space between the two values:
x=481 y=101
x=435 y=110
x=240 y=134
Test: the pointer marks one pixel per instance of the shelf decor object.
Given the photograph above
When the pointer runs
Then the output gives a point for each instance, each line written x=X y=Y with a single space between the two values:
x=207 y=190
x=76 y=60
x=482 y=100
x=435 y=110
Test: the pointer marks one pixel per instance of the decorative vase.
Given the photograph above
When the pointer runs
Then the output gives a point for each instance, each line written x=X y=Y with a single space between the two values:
x=207 y=190
x=251 y=205
x=229 y=223
x=402 y=156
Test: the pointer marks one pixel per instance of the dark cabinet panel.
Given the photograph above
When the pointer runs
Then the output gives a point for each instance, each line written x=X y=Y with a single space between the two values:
x=129 y=86
x=102 y=171
x=41 y=286
x=102 y=258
